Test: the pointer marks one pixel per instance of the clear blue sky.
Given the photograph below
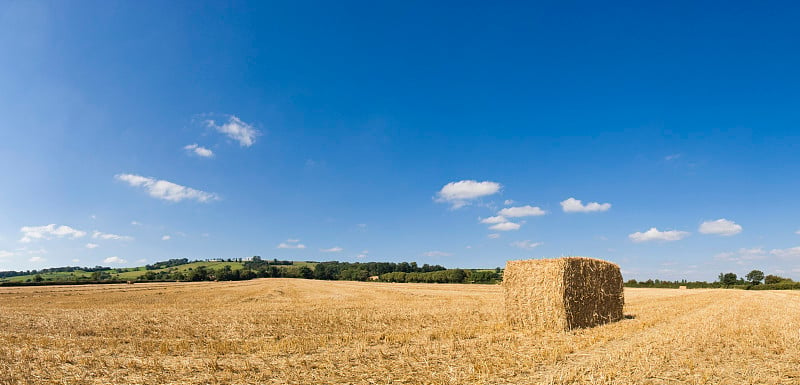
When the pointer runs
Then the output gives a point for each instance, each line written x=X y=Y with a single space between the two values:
x=389 y=131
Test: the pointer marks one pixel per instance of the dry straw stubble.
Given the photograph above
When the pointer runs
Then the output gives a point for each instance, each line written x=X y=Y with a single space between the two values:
x=562 y=293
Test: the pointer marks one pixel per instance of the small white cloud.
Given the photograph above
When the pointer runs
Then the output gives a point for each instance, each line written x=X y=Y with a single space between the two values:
x=143 y=260
x=166 y=238
x=505 y=226
x=199 y=150
x=362 y=256
x=92 y=245
x=508 y=202
x=722 y=227
x=521 y=211
x=362 y=225
x=495 y=219
x=469 y=247
x=166 y=190
x=364 y=251
x=672 y=157
x=135 y=223
x=36 y=259
x=572 y=205
x=437 y=254
x=493 y=236
x=75 y=260
x=459 y=194
x=114 y=259
x=797 y=232
x=291 y=244
x=334 y=249
x=6 y=254
x=236 y=129
x=30 y=233
x=655 y=235
x=107 y=236
x=526 y=244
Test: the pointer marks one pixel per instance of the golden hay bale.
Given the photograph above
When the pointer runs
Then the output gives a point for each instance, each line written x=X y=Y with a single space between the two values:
x=562 y=293
x=682 y=287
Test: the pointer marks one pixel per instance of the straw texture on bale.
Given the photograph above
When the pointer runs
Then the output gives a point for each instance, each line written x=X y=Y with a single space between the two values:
x=562 y=293
x=682 y=287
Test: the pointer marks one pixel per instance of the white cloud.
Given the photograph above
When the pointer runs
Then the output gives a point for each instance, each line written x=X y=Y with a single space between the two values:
x=291 y=244
x=672 y=157
x=793 y=252
x=92 y=245
x=36 y=259
x=744 y=254
x=5 y=254
x=459 y=194
x=143 y=260
x=100 y=235
x=114 y=259
x=199 y=150
x=437 y=254
x=508 y=202
x=166 y=238
x=165 y=190
x=362 y=256
x=334 y=249
x=48 y=232
x=495 y=219
x=797 y=232
x=505 y=226
x=493 y=236
x=572 y=205
x=655 y=235
x=135 y=223
x=521 y=211
x=75 y=260
x=526 y=244
x=237 y=130
x=720 y=227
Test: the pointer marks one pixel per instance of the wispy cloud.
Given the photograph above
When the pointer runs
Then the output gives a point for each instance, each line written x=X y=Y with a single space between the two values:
x=655 y=235
x=437 y=254
x=495 y=219
x=166 y=190
x=334 y=249
x=291 y=244
x=30 y=233
x=236 y=129
x=114 y=260
x=462 y=193
x=199 y=150
x=6 y=254
x=572 y=205
x=722 y=227
x=672 y=157
x=493 y=236
x=526 y=244
x=505 y=226
x=521 y=211
x=100 y=235
x=92 y=245
x=166 y=237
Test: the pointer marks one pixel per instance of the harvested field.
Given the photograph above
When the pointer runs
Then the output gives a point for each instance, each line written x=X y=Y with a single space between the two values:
x=277 y=331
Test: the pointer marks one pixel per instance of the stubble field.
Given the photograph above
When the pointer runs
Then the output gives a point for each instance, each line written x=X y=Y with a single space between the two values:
x=286 y=331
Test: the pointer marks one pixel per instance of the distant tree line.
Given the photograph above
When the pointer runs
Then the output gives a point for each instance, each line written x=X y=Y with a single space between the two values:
x=65 y=269
x=751 y=281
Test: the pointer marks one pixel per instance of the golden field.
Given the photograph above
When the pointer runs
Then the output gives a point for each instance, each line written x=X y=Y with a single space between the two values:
x=286 y=331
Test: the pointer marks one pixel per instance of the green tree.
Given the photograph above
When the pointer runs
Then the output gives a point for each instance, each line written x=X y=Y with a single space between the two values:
x=38 y=278
x=755 y=277
x=770 y=279
x=729 y=279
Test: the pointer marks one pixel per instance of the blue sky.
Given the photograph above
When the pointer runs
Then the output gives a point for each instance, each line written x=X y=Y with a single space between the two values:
x=135 y=132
